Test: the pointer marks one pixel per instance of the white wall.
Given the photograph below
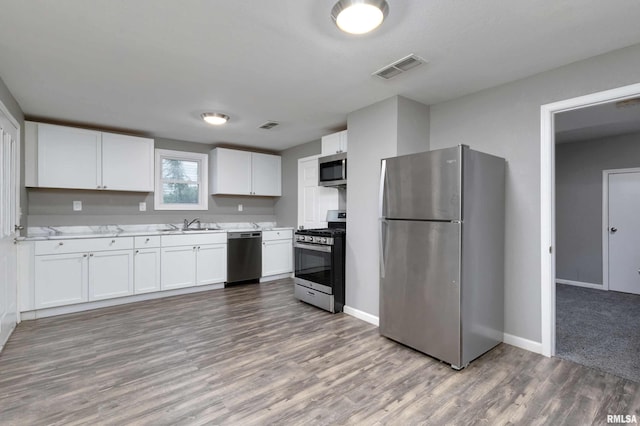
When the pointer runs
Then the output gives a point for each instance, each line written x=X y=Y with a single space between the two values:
x=505 y=121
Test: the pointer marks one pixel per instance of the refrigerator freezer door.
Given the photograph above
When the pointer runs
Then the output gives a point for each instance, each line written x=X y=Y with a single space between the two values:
x=425 y=186
x=420 y=290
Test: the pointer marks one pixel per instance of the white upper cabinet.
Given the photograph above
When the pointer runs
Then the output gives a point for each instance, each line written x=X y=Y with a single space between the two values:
x=266 y=172
x=68 y=157
x=236 y=172
x=127 y=163
x=334 y=143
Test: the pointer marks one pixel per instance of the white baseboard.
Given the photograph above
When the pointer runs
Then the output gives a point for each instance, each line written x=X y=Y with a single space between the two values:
x=4 y=337
x=522 y=343
x=276 y=277
x=580 y=284
x=81 y=307
x=371 y=319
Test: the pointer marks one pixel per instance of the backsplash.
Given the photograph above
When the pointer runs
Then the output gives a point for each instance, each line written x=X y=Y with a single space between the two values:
x=51 y=207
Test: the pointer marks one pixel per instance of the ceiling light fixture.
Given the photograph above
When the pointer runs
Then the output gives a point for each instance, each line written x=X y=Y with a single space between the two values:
x=215 y=118
x=359 y=16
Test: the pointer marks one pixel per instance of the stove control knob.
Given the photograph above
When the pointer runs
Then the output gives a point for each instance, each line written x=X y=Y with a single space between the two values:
x=310 y=239
x=324 y=241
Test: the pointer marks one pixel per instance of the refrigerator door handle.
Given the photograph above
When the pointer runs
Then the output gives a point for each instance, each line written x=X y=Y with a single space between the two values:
x=381 y=243
x=383 y=176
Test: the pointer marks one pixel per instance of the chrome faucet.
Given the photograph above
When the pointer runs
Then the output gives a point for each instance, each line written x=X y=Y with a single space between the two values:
x=188 y=223
x=255 y=225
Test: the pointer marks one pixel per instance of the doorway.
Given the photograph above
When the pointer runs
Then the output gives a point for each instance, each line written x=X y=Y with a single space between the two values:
x=549 y=247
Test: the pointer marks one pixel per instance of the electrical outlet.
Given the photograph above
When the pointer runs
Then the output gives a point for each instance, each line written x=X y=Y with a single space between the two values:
x=143 y=206
x=240 y=207
x=77 y=206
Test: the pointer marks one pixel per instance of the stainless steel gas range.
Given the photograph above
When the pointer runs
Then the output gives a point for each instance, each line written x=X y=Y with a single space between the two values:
x=319 y=264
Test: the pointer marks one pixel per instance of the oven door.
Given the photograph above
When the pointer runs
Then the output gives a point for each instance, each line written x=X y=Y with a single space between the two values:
x=314 y=266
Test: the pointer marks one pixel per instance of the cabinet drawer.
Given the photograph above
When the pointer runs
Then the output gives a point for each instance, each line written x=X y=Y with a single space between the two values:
x=147 y=241
x=193 y=239
x=82 y=245
x=315 y=297
x=282 y=234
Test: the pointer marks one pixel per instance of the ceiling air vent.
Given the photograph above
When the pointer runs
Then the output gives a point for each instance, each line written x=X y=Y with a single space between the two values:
x=269 y=125
x=399 y=66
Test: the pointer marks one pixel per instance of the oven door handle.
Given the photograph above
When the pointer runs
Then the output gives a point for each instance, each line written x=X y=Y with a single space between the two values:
x=313 y=247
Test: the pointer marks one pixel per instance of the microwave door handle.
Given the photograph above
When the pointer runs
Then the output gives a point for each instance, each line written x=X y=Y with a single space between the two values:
x=344 y=168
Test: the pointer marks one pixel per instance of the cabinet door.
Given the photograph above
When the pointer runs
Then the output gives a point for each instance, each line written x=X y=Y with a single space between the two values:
x=127 y=163
x=343 y=141
x=331 y=144
x=60 y=279
x=178 y=267
x=211 y=264
x=277 y=257
x=68 y=157
x=266 y=178
x=146 y=270
x=230 y=171
x=110 y=274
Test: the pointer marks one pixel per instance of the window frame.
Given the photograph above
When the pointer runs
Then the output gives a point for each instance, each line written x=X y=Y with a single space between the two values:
x=203 y=179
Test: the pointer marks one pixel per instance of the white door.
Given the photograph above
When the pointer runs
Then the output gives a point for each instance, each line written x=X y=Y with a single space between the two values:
x=9 y=219
x=110 y=274
x=265 y=176
x=624 y=232
x=146 y=266
x=313 y=200
x=178 y=267
x=277 y=257
x=60 y=279
x=69 y=157
x=211 y=264
x=127 y=162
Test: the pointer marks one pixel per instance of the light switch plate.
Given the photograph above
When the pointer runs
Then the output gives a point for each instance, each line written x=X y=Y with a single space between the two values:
x=240 y=207
x=143 y=206
x=77 y=206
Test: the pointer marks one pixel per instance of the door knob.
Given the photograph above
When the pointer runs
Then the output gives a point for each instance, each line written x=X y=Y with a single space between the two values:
x=614 y=230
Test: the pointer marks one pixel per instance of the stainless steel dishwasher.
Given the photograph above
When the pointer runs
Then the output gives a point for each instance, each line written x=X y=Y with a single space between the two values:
x=244 y=256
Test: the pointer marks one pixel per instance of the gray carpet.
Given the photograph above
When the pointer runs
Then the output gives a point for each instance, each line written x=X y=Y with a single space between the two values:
x=599 y=329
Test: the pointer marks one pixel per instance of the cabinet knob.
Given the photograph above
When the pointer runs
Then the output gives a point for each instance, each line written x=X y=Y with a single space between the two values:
x=137 y=251
x=147 y=240
x=91 y=255
x=104 y=187
x=113 y=241
x=60 y=243
x=84 y=255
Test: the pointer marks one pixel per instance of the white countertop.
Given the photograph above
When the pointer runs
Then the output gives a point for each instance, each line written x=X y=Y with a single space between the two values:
x=110 y=231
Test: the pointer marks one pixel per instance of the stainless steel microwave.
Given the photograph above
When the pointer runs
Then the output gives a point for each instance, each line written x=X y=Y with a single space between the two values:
x=332 y=170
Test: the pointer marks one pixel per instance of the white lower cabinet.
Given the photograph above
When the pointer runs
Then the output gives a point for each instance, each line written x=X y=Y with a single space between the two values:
x=82 y=270
x=110 y=274
x=211 y=264
x=60 y=279
x=190 y=260
x=146 y=267
x=277 y=252
x=178 y=267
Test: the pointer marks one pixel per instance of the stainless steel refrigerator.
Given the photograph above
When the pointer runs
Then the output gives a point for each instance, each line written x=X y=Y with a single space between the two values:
x=442 y=252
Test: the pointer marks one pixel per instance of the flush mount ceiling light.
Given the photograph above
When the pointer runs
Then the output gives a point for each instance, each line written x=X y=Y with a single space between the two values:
x=215 y=118
x=359 y=16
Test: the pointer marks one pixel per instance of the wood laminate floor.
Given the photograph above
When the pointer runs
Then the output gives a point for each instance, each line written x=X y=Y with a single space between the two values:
x=253 y=355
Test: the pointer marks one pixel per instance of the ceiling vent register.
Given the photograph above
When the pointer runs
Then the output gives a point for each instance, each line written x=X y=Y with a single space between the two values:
x=398 y=67
x=269 y=125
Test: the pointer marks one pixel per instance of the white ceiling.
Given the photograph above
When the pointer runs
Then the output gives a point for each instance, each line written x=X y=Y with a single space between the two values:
x=598 y=121
x=152 y=66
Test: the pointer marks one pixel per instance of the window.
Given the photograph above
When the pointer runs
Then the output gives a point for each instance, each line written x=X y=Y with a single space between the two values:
x=181 y=180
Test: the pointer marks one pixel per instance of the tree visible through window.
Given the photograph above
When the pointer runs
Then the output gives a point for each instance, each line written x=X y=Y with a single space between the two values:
x=181 y=180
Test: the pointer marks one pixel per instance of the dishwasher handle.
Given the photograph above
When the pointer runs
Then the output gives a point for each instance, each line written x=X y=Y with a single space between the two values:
x=239 y=235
